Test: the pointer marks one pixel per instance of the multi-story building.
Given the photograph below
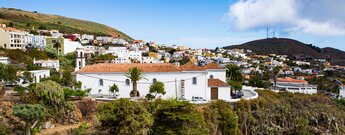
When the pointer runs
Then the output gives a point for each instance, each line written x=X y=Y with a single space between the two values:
x=11 y=38
x=51 y=44
x=28 y=39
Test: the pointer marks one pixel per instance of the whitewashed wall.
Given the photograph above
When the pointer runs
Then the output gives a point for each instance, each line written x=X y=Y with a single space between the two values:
x=173 y=89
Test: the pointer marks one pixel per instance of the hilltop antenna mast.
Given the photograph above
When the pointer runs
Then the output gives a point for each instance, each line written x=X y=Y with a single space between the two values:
x=274 y=34
x=267 y=32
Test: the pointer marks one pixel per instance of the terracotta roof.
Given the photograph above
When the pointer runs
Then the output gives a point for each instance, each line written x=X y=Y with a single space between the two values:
x=291 y=80
x=190 y=66
x=216 y=83
x=11 y=29
x=212 y=66
x=111 y=67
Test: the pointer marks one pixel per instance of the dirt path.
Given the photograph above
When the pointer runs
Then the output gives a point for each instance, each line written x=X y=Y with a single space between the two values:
x=60 y=129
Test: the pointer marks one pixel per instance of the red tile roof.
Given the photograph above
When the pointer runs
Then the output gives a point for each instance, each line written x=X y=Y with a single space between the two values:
x=217 y=83
x=159 y=67
x=212 y=65
x=291 y=80
x=190 y=66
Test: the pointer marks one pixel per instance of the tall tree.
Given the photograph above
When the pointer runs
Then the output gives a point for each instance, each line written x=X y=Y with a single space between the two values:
x=155 y=89
x=27 y=77
x=275 y=74
x=234 y=73
x=57 y=45
x=30 y=114
x=8 y=74
x=135 y=74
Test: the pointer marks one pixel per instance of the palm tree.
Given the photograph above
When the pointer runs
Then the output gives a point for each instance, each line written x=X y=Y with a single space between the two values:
x=234 y=73
x=57 y=45
x=275 y=74
x=135 y=74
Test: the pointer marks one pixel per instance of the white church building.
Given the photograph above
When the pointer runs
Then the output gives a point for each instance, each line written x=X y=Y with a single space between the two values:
x=183 y=82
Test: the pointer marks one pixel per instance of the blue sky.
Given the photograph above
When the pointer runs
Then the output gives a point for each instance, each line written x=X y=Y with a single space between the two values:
x=206 y=23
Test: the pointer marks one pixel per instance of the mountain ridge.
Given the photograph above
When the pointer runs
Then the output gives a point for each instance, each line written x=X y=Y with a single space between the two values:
x=293 y=48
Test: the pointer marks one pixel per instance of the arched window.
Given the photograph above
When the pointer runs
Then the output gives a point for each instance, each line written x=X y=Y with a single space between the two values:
x=154 y=80
x=194 y=80
x=211 y=76
x=127 y=81
x=101 y=82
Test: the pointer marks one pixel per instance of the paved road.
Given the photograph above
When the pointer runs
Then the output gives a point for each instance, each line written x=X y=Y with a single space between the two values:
x=248 y=93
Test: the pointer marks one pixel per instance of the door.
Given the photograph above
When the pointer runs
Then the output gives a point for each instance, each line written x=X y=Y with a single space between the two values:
x=214 y=93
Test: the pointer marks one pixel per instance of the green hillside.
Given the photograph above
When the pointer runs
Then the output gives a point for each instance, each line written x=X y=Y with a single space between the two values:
x=32 y=20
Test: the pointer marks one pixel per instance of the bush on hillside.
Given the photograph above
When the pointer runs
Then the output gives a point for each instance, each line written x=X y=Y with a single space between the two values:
x=124 y=117
x=177 y=117
x=221 y=119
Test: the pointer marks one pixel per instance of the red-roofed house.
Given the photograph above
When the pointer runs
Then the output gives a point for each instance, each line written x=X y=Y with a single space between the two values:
x=183 y=82
x=295 y=86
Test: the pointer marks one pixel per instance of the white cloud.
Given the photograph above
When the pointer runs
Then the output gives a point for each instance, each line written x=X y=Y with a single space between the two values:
x=291 y=15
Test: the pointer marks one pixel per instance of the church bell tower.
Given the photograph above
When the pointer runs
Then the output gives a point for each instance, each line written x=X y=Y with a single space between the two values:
x=80 y=59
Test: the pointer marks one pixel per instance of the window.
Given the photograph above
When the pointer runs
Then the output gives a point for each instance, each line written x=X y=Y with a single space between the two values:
x=101 y=82
x=211 y=77
x=194 y=80
x=154 y=80
x=127 y=81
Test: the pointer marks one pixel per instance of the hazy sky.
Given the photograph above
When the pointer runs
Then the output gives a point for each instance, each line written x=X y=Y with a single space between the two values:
x=207 y=23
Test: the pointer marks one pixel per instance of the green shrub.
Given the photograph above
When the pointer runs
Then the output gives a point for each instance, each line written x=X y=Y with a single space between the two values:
x=81 y=130
x=74 y=93
x=123 y=116
x=177 y=117
x=19 y=90
x=221 y=119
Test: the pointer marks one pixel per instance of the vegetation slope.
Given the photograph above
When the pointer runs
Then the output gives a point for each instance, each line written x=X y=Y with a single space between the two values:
x=29 y=20
x=287 y=113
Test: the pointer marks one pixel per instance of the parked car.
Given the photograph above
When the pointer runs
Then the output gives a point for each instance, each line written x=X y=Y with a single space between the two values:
x=198 y=99
x=238 y=95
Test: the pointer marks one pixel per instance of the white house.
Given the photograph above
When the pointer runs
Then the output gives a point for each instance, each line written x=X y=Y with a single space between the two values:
x=37 y=75
x=124 y=54
x=182 y=82
x=150 y=60
x=104 y=39
x=5 y=60
x=71 y=46
x=342 y=91
x=296 y=86
x=48 y=63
